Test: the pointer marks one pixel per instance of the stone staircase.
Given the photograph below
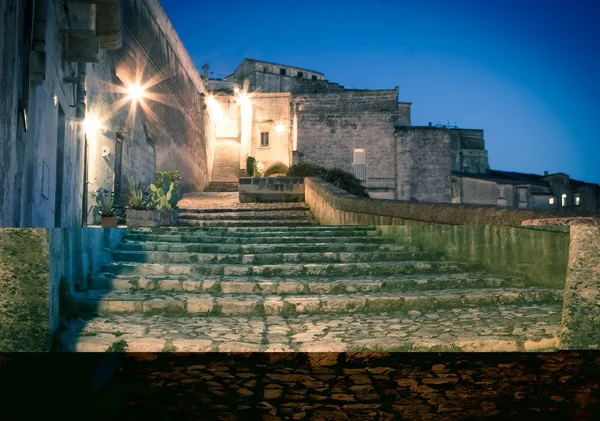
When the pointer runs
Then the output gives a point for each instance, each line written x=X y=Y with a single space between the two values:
x=226 y=165
x=302 y=288
x=248 y=216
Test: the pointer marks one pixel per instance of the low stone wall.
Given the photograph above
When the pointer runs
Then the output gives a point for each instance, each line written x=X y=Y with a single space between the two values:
x=333 y=206
x=24 y=291
x=539 y=256
x=581 y=306
x=271 y=189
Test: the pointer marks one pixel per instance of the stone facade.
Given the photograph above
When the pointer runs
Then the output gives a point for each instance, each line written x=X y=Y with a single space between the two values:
x=70 y=127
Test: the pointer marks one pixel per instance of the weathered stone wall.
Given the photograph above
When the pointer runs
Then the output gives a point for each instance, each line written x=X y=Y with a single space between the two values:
x=12 y=137
x=177 y=122
x=24 y=290
x=332 y=125
x=271 y=82
x=539 y=256
x=333 y=206
x=423 y=164
x=276 y=189
x=268 y=112
x=77 y=254
x=315 y=387
x=481 y=192
x=581 y=312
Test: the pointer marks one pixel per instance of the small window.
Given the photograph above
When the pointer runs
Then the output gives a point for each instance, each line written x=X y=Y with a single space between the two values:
x=314 y=77
x=282 y=72
x=300 y=74
x=264 y=140
x=265 y=69
x=522 y=195
x=577 y=200
x=551 y=200
x=501 y=193
x=564 y=200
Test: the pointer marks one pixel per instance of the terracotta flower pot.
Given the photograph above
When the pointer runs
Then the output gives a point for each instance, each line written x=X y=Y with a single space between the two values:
x=110 y=221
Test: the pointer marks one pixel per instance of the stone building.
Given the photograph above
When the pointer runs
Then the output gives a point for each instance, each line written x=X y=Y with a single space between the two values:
x=93 y=92
x=283 y=114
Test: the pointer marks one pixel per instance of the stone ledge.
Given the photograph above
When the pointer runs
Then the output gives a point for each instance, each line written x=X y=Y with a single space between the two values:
x=432 y=213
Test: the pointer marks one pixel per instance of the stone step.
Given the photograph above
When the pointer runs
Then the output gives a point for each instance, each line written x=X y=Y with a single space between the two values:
x=246 y=223
x=270 y=258
x=493 y=328
x=326 y=229
x=290 y=269
x=222 y=187
x=105 y=301
x=279 y=207
x=300 y=285
x=243 y=216
x=251 y=240
x=262 y=248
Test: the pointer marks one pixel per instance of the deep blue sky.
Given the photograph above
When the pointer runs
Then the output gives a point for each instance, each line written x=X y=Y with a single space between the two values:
x=525 y=71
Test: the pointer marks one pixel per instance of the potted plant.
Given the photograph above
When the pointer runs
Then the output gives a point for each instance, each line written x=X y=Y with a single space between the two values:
x=155 y=208
x=105 y=204
x=163 y=199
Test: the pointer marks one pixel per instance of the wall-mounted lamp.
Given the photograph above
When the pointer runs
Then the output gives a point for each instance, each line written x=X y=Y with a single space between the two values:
x=92 y=125
x=135 y=92
x=55 y=100
x=280 y=128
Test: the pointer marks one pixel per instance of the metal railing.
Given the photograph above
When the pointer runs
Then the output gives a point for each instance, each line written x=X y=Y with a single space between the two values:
x=360 y=171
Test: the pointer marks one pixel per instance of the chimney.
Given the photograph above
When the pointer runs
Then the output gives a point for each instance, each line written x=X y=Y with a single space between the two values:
x=545 y=173
x=430 y=124
x=205 y=72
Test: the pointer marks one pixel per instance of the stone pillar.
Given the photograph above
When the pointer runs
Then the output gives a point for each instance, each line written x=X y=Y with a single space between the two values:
x=581 y=305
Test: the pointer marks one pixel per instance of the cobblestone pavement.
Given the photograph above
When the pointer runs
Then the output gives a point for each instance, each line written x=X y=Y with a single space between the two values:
x=226 y=200
x=506 y=328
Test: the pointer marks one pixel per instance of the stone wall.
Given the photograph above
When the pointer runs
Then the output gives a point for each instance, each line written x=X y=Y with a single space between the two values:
x=275 y=189
x=538 y=256
x=77 y=254
x=312 y=387
x=423 y=164
x=333 y=206
x=24 y=290
x=332 y=125
x=177 y=121
x=270 y=111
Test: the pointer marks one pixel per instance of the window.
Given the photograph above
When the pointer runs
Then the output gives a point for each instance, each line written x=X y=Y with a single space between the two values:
x=501 y=193
x=314 y=77
x=282 y=72
x=359 y=168
x=577 y=199
x=564 y=200
x=264 y=140
x=551 y=200
x=265 y=69
x=522 y=195
x=300 y=74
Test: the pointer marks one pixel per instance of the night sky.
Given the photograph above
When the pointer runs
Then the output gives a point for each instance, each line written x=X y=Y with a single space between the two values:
x=524 y=71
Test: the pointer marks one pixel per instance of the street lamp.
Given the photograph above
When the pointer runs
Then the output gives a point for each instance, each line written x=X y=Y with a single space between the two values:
x=135 y=92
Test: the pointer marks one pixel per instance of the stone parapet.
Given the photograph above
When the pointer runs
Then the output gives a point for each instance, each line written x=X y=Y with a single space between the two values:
x=333 y=206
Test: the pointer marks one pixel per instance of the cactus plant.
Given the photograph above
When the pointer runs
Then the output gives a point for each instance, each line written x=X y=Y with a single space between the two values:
x=136 y=194
x=164 y=198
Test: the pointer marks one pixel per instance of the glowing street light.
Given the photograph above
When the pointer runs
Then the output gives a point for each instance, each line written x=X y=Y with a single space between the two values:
x=242 y=99
x=279 y=128
x=91 y=124
x=135 y=92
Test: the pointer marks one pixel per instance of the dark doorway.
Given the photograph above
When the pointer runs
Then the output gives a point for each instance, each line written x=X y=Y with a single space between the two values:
x=60 y=164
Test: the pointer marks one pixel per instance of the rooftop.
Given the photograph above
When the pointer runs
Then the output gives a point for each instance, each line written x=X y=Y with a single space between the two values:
x=280 y=65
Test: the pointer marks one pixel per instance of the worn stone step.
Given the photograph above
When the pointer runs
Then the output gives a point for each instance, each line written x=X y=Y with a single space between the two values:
x=509 y=328
x=248 y=230
x=289 y=269
x=262 y=248
x=270 y=258
x=246 y=223
x=281 y=207
x=104 y=301
x=247 y=240
x=242 y=216
x=304 y=285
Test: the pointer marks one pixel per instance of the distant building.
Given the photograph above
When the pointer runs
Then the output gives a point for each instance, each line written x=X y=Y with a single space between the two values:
x=283 y=114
